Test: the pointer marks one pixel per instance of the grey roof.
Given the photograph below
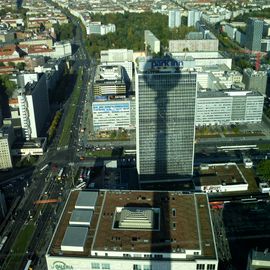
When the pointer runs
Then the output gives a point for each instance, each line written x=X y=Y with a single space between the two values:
x=81 y=217
x=86 y=200
x=74 y=237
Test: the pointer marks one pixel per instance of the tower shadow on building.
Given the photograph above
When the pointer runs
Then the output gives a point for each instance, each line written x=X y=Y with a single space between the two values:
x=166 y=116
x=166 y=112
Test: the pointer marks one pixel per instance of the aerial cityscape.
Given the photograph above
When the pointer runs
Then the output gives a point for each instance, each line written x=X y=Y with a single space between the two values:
x=134 y=135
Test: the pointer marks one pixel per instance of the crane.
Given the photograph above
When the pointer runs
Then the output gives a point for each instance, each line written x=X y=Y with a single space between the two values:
x=257 y=53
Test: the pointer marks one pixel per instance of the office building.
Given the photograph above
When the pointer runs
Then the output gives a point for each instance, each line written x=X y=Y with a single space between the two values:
x=61 y=49
x=265 y=43
x=111 y=115
x=254 y=33
x=205 y=58
x=34 y=107
x=228 y=107
x=133 y=230
x=7 y=138
x=93 y=28
x=165 y=115
x=240 y=37
x=119 y=57
x=194 y=16
x=230 y=30
x=255 y=80
x=151 y=42
x=109 y=81
x=99 y=29
x=174 y=19
x=208 y=44
x=116 y=55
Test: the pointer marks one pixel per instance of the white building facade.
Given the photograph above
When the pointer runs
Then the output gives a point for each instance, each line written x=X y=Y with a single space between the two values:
x=34 y=107
x=151 y=41
x=111 y=115
x=174 y=18
x=7 y=137
x=194 y=16
x=228 y=107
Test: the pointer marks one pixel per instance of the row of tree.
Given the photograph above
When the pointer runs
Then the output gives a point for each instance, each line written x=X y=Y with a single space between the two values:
x=54 y=125
x=264 y=13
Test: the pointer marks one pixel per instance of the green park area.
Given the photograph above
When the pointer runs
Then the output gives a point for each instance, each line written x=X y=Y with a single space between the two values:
x=264 y=147
x=20 y=246
x=118 y=152
x=132 y=26
x=74 y=100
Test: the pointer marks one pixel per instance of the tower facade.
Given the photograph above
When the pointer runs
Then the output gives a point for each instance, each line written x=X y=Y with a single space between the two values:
x=165 y=121
x=254 y=34
x=193 y=17
x=174 y=18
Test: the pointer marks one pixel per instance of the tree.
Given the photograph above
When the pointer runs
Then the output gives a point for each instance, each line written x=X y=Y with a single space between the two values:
x=21 y=66
x=41 y=27
x=7 y=85
x=63 y=31
x=263 y=169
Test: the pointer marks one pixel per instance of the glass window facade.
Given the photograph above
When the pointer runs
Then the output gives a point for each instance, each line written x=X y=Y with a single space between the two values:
x=165 y=125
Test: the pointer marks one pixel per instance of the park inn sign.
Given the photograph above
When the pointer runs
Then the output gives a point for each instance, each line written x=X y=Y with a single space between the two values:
x=58 y=265
x=166 y=62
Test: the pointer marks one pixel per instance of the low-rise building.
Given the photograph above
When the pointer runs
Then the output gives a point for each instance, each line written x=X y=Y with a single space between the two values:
x=7 y=36
x=7 y=138
x=42 y=41
x=133 y=230
x=258 y=259
x=220 y=177
x=36 y=147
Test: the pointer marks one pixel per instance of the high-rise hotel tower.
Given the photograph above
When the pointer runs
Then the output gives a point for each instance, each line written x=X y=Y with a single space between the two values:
x=165 y=120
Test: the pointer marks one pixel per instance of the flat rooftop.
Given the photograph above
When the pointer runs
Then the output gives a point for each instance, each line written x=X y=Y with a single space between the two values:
x=141 y=222
x=216 y=174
